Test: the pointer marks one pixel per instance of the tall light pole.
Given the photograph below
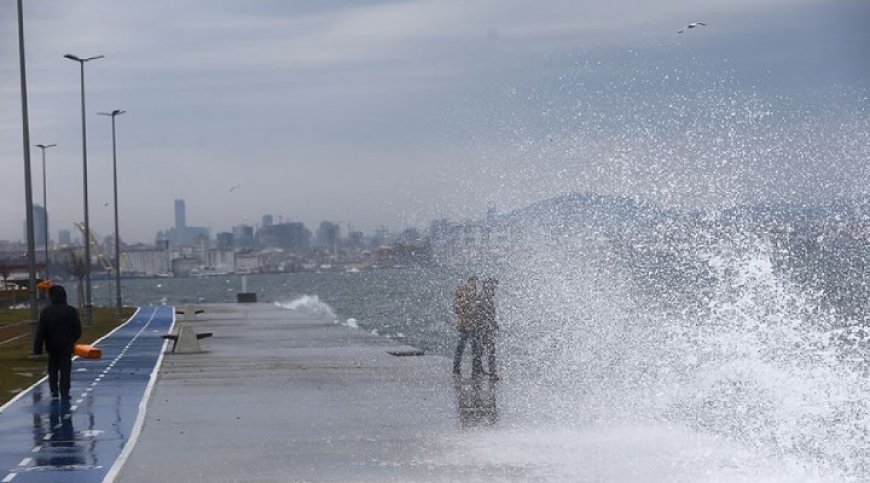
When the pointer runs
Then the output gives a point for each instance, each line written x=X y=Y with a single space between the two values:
x=28 y=189
x=113 y=114
x=89 y=308
x=43 y=147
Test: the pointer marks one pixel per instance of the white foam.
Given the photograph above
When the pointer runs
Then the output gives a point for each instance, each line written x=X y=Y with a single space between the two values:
x=752 y=359
x=637 y=454
x=309 y=305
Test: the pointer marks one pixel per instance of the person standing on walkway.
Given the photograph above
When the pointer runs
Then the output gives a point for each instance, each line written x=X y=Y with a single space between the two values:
x=465 y=308
x=59 y=329
x=487 y=324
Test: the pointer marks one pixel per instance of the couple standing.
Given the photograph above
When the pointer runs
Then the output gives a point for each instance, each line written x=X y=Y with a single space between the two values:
x=475 y=313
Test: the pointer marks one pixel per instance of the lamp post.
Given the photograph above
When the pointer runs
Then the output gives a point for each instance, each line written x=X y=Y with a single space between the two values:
x=113 y=114
x=89 y=309
x=43 y=147
x=28 y=189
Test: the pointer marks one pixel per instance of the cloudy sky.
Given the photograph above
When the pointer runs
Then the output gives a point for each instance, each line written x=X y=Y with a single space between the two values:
x=397 y=112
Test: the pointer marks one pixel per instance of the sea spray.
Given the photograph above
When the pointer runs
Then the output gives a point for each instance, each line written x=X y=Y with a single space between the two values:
x=738 y=350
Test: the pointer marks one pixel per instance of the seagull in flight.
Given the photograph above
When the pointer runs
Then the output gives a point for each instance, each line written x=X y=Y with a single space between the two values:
x=234 y=187
x=691 y=26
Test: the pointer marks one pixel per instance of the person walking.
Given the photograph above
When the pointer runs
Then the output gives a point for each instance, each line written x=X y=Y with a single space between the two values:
x=465 y=308
x=58 y=330
x=488 y=325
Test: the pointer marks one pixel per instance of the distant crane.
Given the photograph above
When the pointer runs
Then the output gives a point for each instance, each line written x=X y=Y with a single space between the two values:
x=101 y=255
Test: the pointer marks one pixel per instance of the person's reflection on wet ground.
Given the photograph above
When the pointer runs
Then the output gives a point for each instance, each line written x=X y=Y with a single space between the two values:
x=55 y=436
x=476 y=402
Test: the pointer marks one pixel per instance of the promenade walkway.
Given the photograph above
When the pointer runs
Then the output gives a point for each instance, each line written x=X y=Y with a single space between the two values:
x=51 y=441
x=282 y=396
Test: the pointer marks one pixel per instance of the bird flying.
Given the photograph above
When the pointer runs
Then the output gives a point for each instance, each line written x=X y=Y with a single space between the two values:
x=691 y=26
x=234 y=187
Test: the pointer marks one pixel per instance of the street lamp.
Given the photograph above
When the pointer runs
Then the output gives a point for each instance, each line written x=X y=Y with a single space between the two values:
x=43 y=147
x=113 y=114
x=28 y=189
x=89 y=309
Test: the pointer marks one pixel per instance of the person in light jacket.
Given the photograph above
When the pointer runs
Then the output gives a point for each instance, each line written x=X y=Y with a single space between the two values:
x=58 y=330
x=465 y=308
x=487 y=325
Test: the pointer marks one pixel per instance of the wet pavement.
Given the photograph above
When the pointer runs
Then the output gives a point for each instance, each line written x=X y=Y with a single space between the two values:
x=78 y=440
x=284 y=396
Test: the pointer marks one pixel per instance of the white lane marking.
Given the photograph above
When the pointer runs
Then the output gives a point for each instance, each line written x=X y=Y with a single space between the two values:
x=47 y=437
x=25 y=462
x=36 y=449
x=73 y=407
x=115 y=469
x=9 y=477
x=79 y=401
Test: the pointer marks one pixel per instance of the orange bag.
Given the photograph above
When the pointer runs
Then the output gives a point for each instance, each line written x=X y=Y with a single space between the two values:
x=87 y=351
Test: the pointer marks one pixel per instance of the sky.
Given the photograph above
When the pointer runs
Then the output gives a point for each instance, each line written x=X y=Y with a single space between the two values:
x=394 y=113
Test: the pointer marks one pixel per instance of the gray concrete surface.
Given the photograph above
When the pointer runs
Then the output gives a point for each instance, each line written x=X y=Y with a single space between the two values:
x=281 y=397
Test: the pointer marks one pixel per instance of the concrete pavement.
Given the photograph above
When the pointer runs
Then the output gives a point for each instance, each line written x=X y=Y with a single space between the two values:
x=282 y=396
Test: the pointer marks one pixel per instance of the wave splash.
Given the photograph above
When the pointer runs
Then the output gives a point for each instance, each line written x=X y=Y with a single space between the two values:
x=310 y=305
x=741 y=352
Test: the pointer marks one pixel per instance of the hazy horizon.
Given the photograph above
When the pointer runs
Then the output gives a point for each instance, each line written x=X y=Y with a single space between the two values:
x=399 y=112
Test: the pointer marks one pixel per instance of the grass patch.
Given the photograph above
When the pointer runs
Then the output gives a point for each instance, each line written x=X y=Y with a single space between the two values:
x=18 y=371
x=13 y=316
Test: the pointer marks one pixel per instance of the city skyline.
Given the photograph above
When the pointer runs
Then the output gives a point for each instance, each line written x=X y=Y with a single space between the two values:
x=396 y=113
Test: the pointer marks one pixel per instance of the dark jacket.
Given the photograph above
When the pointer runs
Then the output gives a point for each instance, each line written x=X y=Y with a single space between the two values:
x=59 y=325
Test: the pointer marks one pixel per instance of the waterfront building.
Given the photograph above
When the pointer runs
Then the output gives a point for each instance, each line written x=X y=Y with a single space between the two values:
x=145 y=261
x=243 y=236
x=291 y=237
x=225 y=240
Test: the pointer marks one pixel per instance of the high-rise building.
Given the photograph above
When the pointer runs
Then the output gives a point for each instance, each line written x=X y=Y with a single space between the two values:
x=64 y=237
x=291 y=236
x=182 y=234
x=39 y=234
x=327 y=234
x=268 y=220
x=243 y=236
x=180 y=214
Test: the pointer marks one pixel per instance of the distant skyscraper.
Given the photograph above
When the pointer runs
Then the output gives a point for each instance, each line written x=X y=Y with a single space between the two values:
x=267 y=220
x=327 y=234
x=183 y=234
x=180 y=215
x=64 y=237
x=39 y=234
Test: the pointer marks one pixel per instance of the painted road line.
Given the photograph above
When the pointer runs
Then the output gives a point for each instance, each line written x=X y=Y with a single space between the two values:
x=9 y=477
x=140 y=418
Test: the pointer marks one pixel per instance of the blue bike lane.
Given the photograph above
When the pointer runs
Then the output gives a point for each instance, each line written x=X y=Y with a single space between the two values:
x=80 y=440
